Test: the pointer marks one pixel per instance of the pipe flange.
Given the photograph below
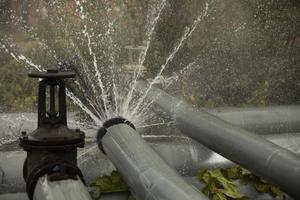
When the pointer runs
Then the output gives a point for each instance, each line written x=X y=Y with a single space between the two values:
x=111 y=122
x=56 y=171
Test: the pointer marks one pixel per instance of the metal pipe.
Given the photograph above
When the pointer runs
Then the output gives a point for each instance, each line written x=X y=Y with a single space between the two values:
x=247 y=190
x=262 y=120
x=60 y=190
x=112 y=196
x=147 y=175
x=266 y=159
x=11 y=164
x=183 y=154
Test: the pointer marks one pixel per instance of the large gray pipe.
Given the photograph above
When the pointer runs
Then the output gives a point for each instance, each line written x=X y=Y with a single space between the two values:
x=270 y=161
x=180 y=153
x=147 y=175
x=247 y=190
x=262 y=120
x=111 y=196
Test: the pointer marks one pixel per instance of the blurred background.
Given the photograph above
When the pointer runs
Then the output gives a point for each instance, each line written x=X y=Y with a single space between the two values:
x=242 y=52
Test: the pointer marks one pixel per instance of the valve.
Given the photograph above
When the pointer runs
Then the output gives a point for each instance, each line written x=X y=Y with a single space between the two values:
x=52 y=147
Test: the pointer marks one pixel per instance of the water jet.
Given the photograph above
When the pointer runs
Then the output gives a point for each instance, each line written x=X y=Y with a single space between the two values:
x=97 y=33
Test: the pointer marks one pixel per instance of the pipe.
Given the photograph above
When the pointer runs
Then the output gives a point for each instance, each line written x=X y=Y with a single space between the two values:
x=183 y=154
x=11 y=164
x=247 y=190
x=262 y=120
x=268 y=160
x=188 y=156
x=147 y=175
x=60 y=190
x=112 y=196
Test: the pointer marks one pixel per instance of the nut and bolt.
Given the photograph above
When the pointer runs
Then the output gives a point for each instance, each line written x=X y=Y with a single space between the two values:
x=24 y=135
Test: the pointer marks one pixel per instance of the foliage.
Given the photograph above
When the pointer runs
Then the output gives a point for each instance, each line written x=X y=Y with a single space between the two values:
x=219 y=187
x=18 y=91
x=108 y=184
x=221 y=183
x=259 y=184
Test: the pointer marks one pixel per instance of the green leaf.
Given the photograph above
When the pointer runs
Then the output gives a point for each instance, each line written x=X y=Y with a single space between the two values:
x=131 y=197
x=261 y=187
x=218 y=186
x=245 y=172
x=213 y=187
x=275 y=191
x=206 y=190
x=112 y=183
x=262 y=180
x=232 y=193
x=219 y=196
x=232 y=173
x=216 y=173
x=203 y=175
x=222 y=181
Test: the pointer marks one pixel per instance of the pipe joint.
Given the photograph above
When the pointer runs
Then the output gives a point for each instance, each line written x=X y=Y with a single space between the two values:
x=110 y=122
x=56 y=170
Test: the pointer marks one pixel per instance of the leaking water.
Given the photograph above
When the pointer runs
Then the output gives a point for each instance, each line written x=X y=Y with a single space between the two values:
x=91 y=37
x=99 y=90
